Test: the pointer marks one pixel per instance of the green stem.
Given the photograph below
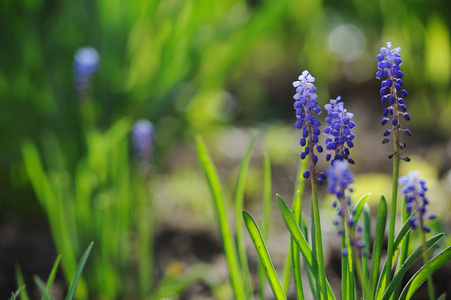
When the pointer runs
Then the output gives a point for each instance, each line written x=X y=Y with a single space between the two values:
x=426 y=261
x=391 y=230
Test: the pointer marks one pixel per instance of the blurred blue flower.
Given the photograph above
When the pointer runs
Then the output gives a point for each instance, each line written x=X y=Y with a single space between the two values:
x=306 y=103
x=143 y=140
x=86 y=63
x=339 y=178
x=339 y=127
x=389 y=67
x=414 y=189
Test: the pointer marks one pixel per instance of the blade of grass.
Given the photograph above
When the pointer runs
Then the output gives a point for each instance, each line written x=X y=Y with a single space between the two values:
x=310 y=277
x=262 y=252
x=359 y=207
x=298 y=188
x=209 y=170
x=304 y=247
x=266 y=216
x=21 y=284
x=239 y=199
x=52 y=275
x=73 y=286
x=366 y=239
x=419 y=277
x=41 y=286
x=295 y=254
x=404 y=250
x=397 y=279
x=381 y=222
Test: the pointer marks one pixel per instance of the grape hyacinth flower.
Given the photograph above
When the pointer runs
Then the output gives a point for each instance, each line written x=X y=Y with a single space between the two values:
x=339 y=179
x=414 y=189
x=339 y=130
x=86 y=63
x=389 y=65
x=143 y=140
x=305 y=104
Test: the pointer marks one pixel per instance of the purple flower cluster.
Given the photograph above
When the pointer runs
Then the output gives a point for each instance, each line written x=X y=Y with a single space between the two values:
x=86 y=63
x=339 y=130
x=339 y=179
x=414 y=189
x=389 y=65
x=305 y=104
x=143 y=134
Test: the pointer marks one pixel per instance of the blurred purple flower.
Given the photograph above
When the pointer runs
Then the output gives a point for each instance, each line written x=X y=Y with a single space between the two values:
x=143 y=141
x=86 y=63
x=414 y=190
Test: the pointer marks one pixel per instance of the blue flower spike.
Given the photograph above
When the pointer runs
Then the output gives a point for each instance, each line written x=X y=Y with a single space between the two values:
x=86 y=63
x=143 y=134
x=339 y=180
x=305 y=105
x=339 y=126
x=414 y=189
x=392 y=94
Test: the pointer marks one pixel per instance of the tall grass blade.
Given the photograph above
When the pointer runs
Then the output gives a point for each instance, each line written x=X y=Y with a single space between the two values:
x=52 y=275
x=73 y=286
x=295 y=253
x=209 y=170
x=381 y=221
x=239 y=199
x=419 y=277
x=359 y=207
x=41 y=286
x=304 y=247
x=265 y=260
x=396 y=281
x=21 y=284
x=266 y=217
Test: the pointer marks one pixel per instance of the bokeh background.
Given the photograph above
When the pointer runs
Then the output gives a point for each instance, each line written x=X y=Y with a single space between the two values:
x=219 y=69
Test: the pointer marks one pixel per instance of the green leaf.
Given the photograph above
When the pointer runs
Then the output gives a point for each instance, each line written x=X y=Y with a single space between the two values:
x=397 y=279
x=299 y=238
x=442 y=297
x=209 y=170
x=73 y=286
x=21 y=284
x=52 y=275
x=239 y=199
x=381 y=222
x=359 y=207
x=41 y=286
x=265 y=260
x=17 y=293
x=405 y=229
x=266 y=216
x=295 y=254
x=419 y=277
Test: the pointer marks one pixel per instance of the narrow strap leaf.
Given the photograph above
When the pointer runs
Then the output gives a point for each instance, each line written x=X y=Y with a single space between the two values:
x=419 y=277
x=396 y=281
x=211 y=174
x=81 y=265
x=52 y=275
x=41 y=286
x=299 y=238
x=381 y=221
x=359 y=207
x=239 y=199
x=262 y=252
